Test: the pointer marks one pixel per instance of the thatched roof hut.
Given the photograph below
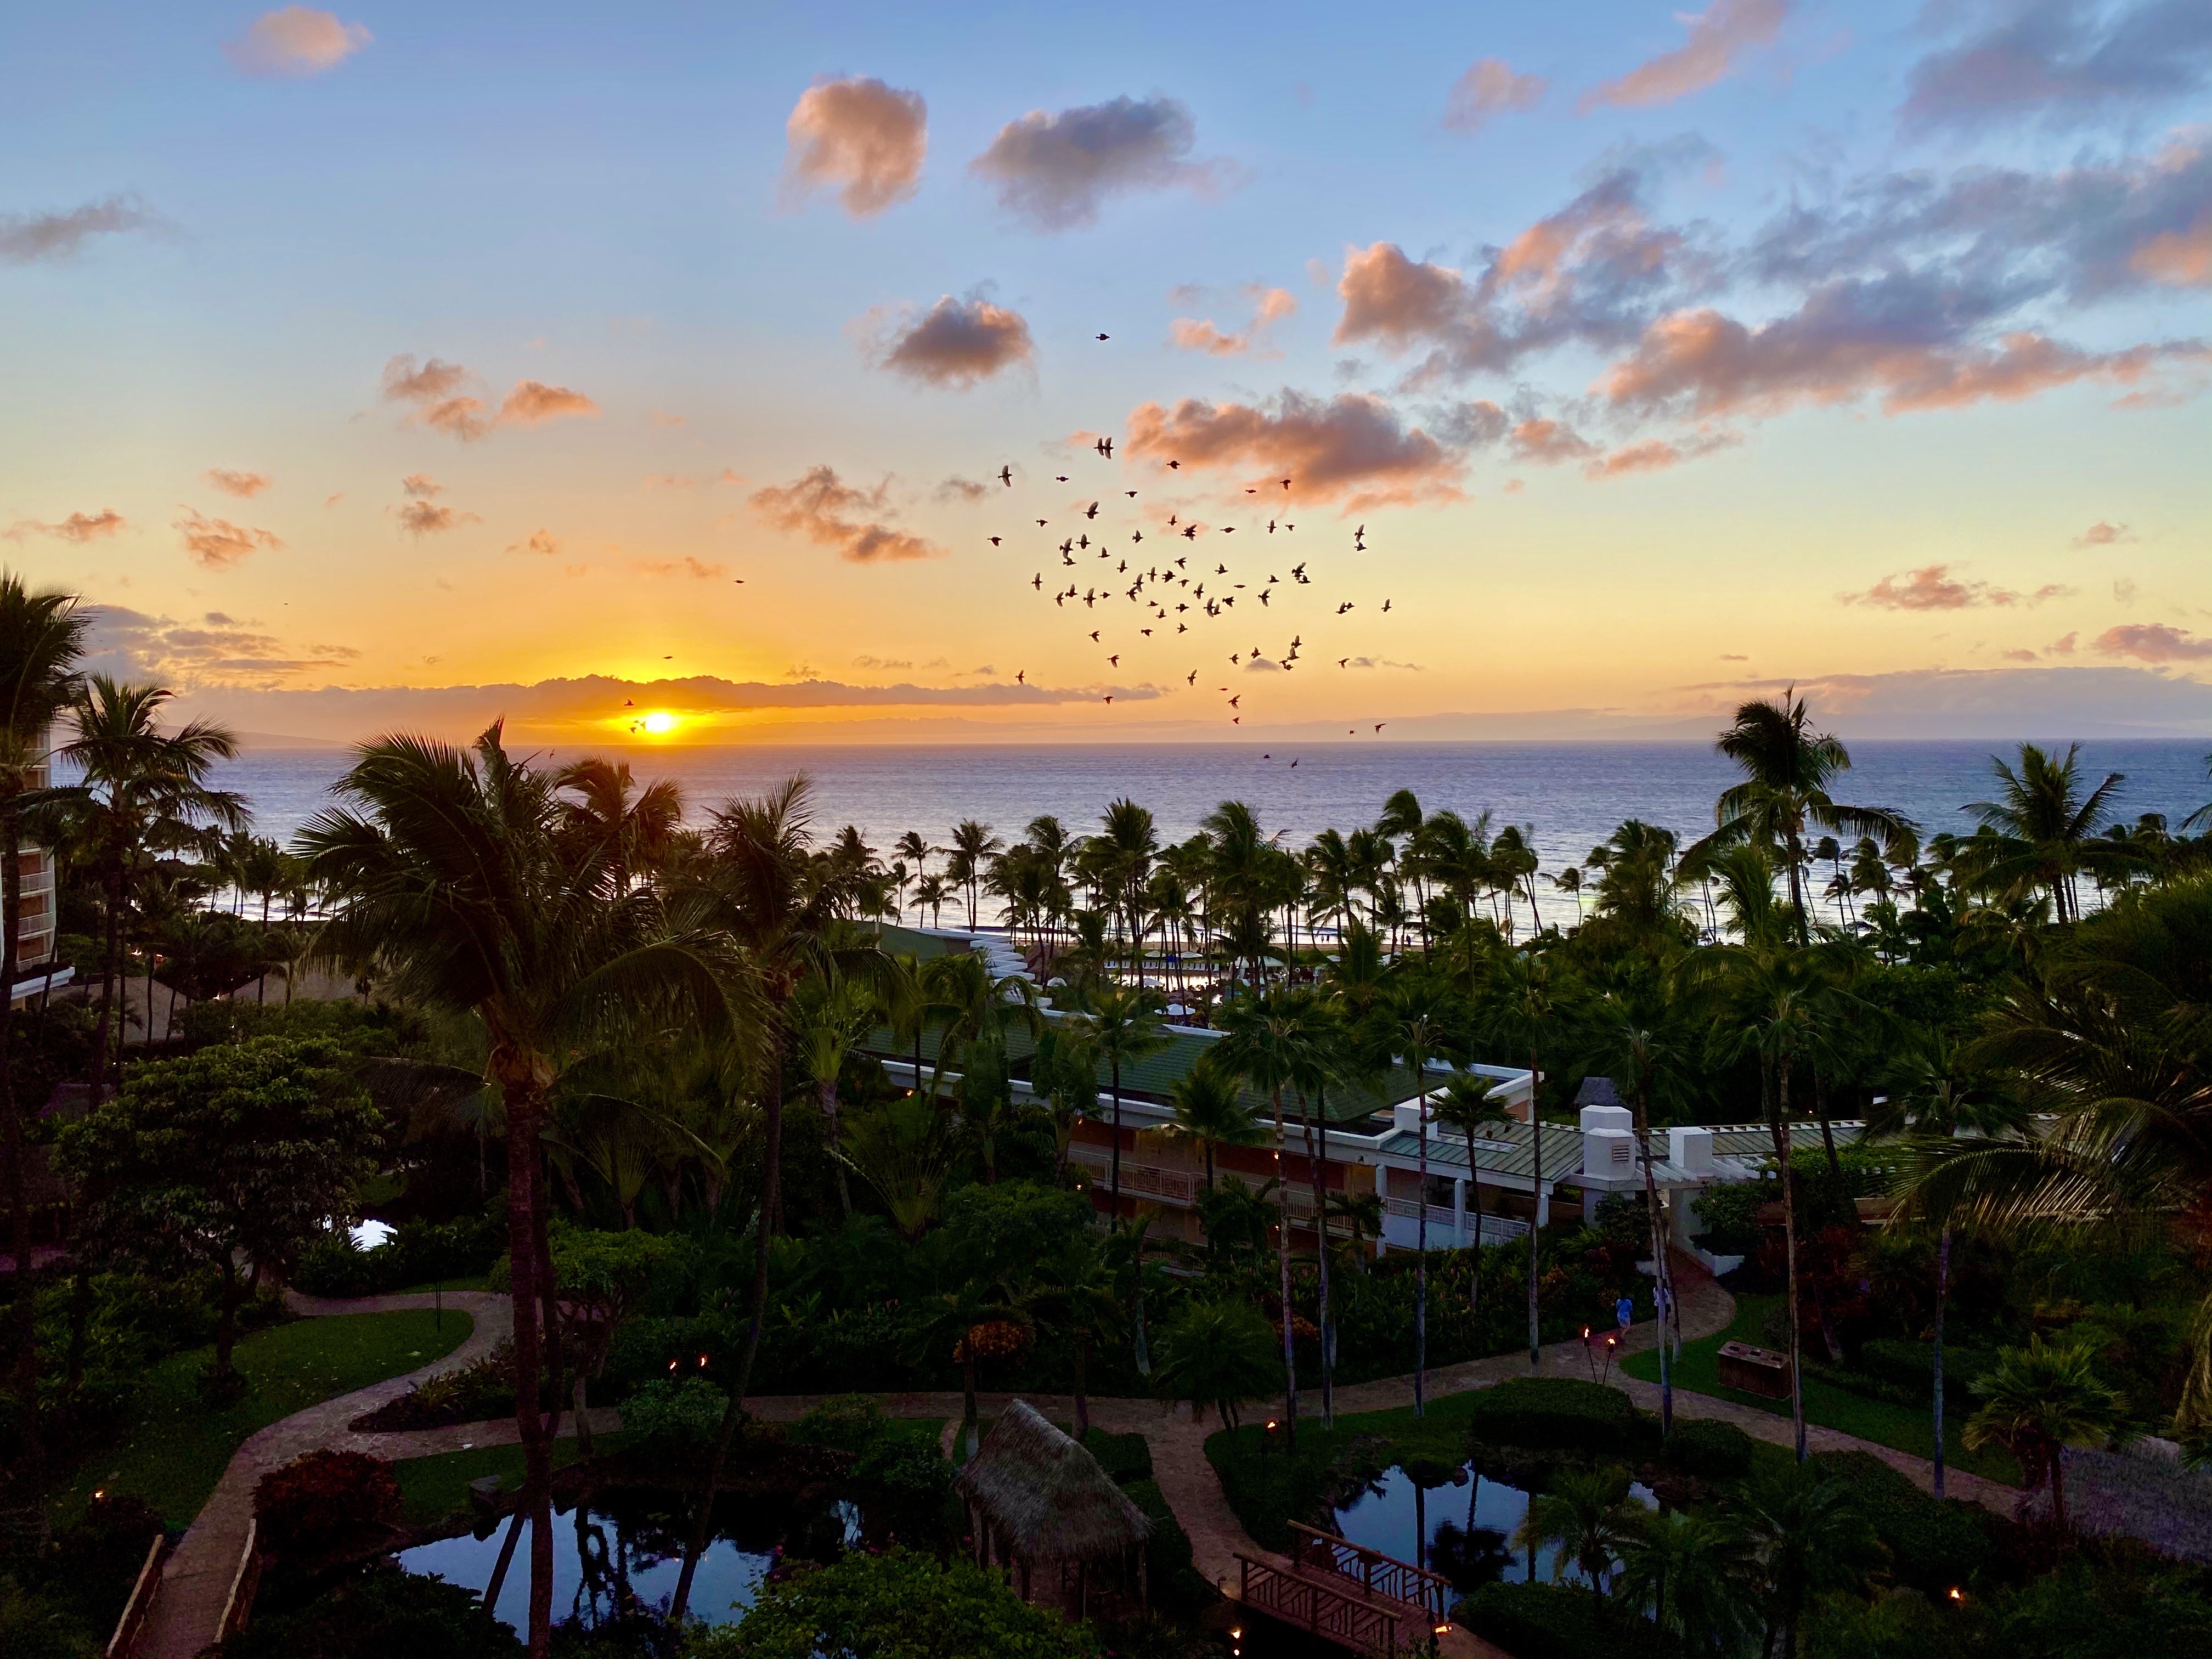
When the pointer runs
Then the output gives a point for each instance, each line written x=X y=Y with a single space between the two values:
x=1037 y=1499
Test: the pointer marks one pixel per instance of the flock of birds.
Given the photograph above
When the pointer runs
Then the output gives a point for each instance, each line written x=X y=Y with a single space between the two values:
x=1172 y=595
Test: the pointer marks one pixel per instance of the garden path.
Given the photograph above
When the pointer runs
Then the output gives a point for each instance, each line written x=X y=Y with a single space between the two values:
x=196 y=1579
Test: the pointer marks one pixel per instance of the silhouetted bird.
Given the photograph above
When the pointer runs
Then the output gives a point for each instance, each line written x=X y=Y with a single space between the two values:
x=1094 y=635
x=1386 y=604
x=1190 y=530
x=1105 y=447
x=1191 y=678
x=1037 y=581
x=1021 y=676
x=1114 y=661
x=1379 y=725
x=1174 y=466
x=1105 y=336
x=1090 y=511
x=995 y=541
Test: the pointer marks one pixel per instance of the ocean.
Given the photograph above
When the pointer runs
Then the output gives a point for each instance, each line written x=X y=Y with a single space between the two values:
x=1572 y=793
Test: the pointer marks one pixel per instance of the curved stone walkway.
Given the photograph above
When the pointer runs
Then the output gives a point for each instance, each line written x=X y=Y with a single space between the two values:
x=196 y=1579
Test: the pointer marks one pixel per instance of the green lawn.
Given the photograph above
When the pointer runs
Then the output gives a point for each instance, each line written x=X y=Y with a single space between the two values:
x=1904 y=1428
x=176 y=1450
x=436 y=1487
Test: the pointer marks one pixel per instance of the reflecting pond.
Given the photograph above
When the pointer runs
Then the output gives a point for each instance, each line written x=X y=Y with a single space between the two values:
x=624 y=1550
x=1399 y=1520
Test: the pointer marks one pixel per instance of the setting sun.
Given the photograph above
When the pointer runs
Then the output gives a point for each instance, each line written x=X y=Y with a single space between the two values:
x=659 y=722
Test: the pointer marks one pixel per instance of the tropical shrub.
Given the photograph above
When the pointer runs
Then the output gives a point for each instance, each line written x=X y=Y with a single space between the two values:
x=1729 y=1212
x=672 y=1417
x=1710 y=1450
x=380 y=1614
x=326 y=1504
x=1934 y=1547
x=416 y=1253
x=1555 y=1621
x=1558 y=1414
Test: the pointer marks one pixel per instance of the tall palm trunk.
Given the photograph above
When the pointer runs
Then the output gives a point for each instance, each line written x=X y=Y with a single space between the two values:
x=1283 y=1273
x=111 y=975
x=1421 y=1243
x=771 y=1177
x=524 y=1078
x=1661 y=1274
x=1316 y=1179
x=19 y=1198
x=1114 y=1183
x=1777 y=1121
x=1942 y=1294
x=831 y=1132
x=1536 y=1214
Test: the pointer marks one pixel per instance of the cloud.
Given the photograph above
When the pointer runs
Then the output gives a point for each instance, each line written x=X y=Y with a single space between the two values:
x=434 y=388
x=1056 y=171
x=1932 y=588
x=539 y=541
x=296 y=40
x=422 y=486
x=2019 y=656
x=955 y=344
x=78 y=527
x=2063 y=646
x=217 y=543
x=1353 y=448
x=687 y=566
x=210 y=650
x=831 y=513
x=1489 y=88
x=244 y=485
x=1590 y=273
x=2057 y=62
x=881 y=662
x=1270 y=306
x=1732 y=656
x=2154 y=642
x=962 y=490
x=1990 y=703
x=419 y=519
x=1892 y=337
x=1657 y=454
x=862 y=138
x=532 y=403
x=1263 y=666
x=1548 y=442
x=2103 y=533
x=28 y=237
x=1719 y=36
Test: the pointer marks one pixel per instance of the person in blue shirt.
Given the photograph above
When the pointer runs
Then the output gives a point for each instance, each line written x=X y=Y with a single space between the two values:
x=1625 y=1312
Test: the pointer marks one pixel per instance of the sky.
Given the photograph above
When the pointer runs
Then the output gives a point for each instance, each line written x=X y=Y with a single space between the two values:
x=651 y=373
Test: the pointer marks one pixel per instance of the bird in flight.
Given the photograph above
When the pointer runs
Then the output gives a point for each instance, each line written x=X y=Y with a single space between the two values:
x=995 y=541
x=1286 y=484
x=1175 y=466
x=1342 y=661
x=1105 y=447
x=1114 y=661
x=1191 y=678
x=1234 y=700
x=1294 y=766
x=1040 y=524
x=1379 y=725
x=1107 y=337
x=1094 y=636
x=1131 y=494
x=1090 y=511
x=1037 y=581
x=1190 y=530
x=1109 y=696
x=1021 y=676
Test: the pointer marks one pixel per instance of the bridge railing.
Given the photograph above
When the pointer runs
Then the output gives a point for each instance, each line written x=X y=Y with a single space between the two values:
x=1321 y=1610
x=1377 y=1574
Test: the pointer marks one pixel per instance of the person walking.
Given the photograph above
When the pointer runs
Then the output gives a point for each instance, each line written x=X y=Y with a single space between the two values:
x=1625 y=1312
x=1670 y=1321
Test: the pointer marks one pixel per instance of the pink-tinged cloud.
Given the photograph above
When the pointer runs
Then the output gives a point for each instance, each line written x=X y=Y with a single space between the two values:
x=532 y=403
x=860 y=138
x=1270 y=306
x=78 y=527
x=421 y=486
x=1932 y=588
x=539 y=541
x=2154 y=642
x=2063 y=646
x=244 y=485
x=1845 y=342
x=1056 y=171
x=832 y=513
x=1351 y=449
x=434 y=389
x=1719 y=36
x=954 y=345
x=217 y=543
x=1547 y=443
x=2057 y=63
x=2179 y=258
x=2103 y=533
x=296 y=40
x=1657 y=455
x=686 y=565
x=1488 y=90
x=2018 y=655
x=28 y=237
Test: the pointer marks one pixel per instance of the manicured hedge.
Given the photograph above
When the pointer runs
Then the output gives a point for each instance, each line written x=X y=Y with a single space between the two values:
x=1558 y=1414
x=1934 y=1547
x=1558 y=1622
x=1912 y=1365
x=1709 y=1450
x=1126 y=1457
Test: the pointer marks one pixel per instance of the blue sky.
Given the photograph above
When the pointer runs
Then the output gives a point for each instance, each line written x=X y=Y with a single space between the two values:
x=1867 y=350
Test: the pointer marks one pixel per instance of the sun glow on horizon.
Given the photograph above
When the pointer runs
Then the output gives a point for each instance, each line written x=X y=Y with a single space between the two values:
x=659 y=723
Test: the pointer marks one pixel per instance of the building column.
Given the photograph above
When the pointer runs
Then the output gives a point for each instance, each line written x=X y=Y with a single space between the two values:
x=1544 y=1206
x=1459 y=1210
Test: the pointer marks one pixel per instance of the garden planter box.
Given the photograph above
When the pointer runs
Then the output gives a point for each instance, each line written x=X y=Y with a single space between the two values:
x=1754 y=1370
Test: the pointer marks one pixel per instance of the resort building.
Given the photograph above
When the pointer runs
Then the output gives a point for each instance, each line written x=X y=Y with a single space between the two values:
x=1365 y=1143
x=35 y=974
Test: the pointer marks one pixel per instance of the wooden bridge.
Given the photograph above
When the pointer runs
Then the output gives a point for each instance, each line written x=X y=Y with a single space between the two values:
x=1342 y=1592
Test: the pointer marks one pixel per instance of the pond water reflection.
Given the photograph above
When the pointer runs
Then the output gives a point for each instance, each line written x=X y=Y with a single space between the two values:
x=625 y=1549
x=1401 y=1520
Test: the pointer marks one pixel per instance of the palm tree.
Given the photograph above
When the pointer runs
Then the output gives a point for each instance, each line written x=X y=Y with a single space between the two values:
x=972 y=843
x=1209 y=1109
x=1215 y=1353
x=972 y=1323
x=827 y=1028
x=1128 y=845
x=1570 y=882
x=1789 y=769
x=1078 y=1291
x=1417 y=1019
x=1524 y=1003
x=2038 y=1401
x=1273 y=1039
x=905 y=1150
x=1811 y=1538
x=449 y=871
x=930 y=894
x=142 y=790
x=2045 y=831
x=640 y=827
x=1589 y=1516
x=1694 y=1576
x=42 y=637
x=1123 y=1026
x=1464 y=1104
x=915 y=851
